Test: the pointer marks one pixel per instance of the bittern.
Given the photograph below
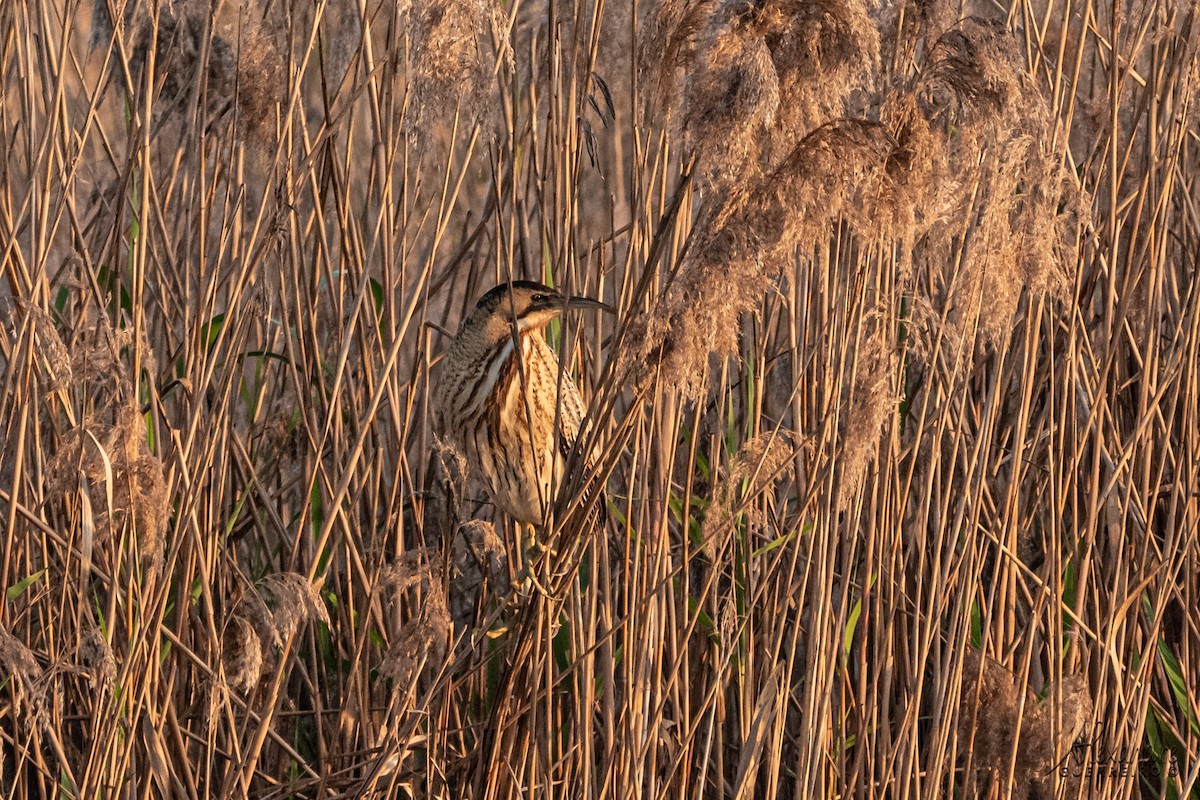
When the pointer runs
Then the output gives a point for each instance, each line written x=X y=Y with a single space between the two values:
x=502 y=399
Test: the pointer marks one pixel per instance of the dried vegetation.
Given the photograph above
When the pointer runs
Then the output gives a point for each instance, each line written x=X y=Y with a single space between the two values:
x=896 y=419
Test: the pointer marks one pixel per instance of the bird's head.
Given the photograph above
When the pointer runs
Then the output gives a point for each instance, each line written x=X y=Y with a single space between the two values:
x=528 y=305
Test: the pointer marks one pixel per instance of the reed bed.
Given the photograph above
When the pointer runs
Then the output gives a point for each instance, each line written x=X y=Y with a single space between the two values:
x=898 y=418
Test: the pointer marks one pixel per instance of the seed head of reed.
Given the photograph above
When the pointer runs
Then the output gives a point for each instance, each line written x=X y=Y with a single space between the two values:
x=281 y=602
x=988 y=722
x=669 y=30
x=979 y=67
x=730 y=99
x=97 y=658
x=21 y=666
x=823 y=51
x=1003 y=227
x=1054 y=727
x=867 y=405
x=841 y=170
x=753 y=470
x=904 y=24
x=17 y=659
x=244 y=71
x=766 y=72
x=450 y=62
x=423 y=643
x=241 y=654
x=118 y=453
x=415 y=568
x=478 y=557
x=1015 y=242
x=698 y=314
x=53 y=353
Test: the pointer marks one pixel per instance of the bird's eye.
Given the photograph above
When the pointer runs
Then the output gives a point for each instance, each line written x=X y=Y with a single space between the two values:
x=540 y=298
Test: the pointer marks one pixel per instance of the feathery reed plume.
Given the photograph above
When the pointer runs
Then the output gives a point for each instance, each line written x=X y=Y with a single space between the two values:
x=243 y=72
x=17 y=659
x=117 y=453
x=768 y=72
x=97 y=658
x=450 y=62
x=730 y=99
x=669 y=30
x=988 y=721
x=54 y=356
x=453 y=463
x=423 y=642
x=478 y=560
x=868 y=402
x=293 y=601
x=1013 y=203
x=823 y=51
x=842 y=170
x=343 y=24
x=753 y=470
x=988 y=724
x=978 y=65
x=96 y=359
x=905 y=24
x=241 y=654
x=413 y=568
x=23 y=670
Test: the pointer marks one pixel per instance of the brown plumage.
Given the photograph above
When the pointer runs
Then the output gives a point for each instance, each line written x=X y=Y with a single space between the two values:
x=516 y=419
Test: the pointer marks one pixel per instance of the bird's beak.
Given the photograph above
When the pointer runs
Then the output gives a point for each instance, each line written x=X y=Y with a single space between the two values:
x=587 y=302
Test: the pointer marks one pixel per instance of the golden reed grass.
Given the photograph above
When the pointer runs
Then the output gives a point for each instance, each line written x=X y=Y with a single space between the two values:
x=896 y=419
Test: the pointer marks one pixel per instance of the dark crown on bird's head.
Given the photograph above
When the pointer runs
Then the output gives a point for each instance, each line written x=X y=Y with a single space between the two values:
x=529 y=302
x=536 y=293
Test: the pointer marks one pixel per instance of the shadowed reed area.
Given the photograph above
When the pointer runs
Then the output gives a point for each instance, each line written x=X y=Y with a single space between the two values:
x=897 y=422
